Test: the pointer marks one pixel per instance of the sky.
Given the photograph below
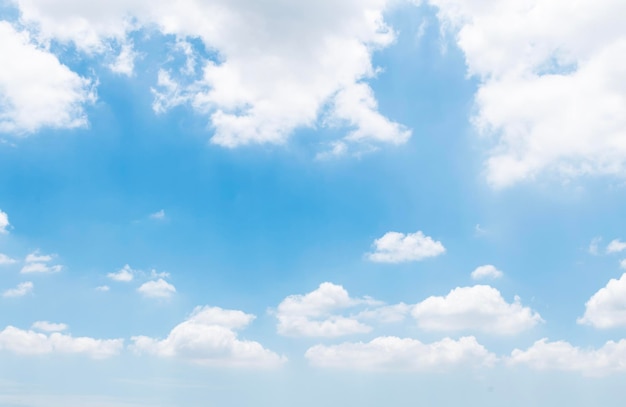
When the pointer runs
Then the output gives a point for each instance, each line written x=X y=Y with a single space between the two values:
x=275 y=203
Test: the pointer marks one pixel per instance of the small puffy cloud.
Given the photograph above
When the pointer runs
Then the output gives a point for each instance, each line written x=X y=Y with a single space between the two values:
x=561 y=355
x=208 y=337
x=479 y=308
x=103 y=288
x=392 y=353
x=607 y=307
x=4 y=218
x=125 y=274
x=4 y=260
x=24 y=342
x=21 y=290
x=157 y=289
x=48 y=326
x=36 y=90
x=486 y=271
x=616 y=246
x=159 y=215
x=35 y=257
x=125 y=62
x=396 y=247
x=38 y=263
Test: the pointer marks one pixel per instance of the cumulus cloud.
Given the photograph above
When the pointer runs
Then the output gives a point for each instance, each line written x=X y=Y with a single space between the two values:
x=49 y=326
x=551 y=83
x=615 y=246
x=125 y=274
x=125 y=62
x=38 y=263
x=392 y=353
x=396 y=247
x=561 y=355
x=486 y=271
x=24 y=342
x=4 y=218
x=607 y=307
x=159 y=215
x=4 y=260
x=280 y=66
x=21 y=290
x=479 y=308
x=157 y=289
x=209 y=337
x=36 y=90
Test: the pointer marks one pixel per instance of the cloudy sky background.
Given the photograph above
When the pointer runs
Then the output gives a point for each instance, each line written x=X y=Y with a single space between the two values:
x=374 y=202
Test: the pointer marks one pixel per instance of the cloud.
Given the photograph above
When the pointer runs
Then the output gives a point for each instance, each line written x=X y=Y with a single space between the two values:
x=396 y=247
x=4 y=218
x=125 y=274
x=392 y=353
x=49 y=326
x=36 y=90
x=279 y=68
x=479 y=308
x=21 y=290
x=561 y=355
x=607 y=307
x=208 y=338
x=551 y=93
x=103 y=288
x=125 y=62
x=37 y=263
x=486 y=271
x=24 y=342
x=159 y=215
x=622 y=264
x=4 y=260
x=157 y=289
x=594 y=246
x=615 y=246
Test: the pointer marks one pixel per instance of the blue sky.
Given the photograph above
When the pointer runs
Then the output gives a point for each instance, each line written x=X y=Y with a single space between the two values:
x=359 y=202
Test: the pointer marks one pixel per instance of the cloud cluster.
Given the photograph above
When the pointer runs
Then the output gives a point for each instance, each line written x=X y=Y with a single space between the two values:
x=21 y=290
x=607 y=307
x=39 y=263
x=395 y=247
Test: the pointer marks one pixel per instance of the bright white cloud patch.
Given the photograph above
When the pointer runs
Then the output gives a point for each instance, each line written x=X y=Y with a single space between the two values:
x=478 y=308
x=38 y=263
x=125 y=62
x=551 y=90
x=561 y=355
x=157 y=289
x=485 y=272
x=392 y=353
x=396 y=247
x=4 y=218
x=282 y=65
x=21 y=290
x=125 y=274
x=607 y=307
x=4 y=260
x=616 y=246
x=48 y=326
x=24 y=342
x=36 y=90
x=208 y=337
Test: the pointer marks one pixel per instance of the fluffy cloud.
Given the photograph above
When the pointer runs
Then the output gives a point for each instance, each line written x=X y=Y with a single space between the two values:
x=34 y=343
x=208 y=337
x=21 y=290
x=616 y=246
x=48 y=326
x=560 y=355
x=38 y=263
x=4 y=218
x=4 y=259
x=551 y=89
x=607 y=307
x=157 y=289
x=36 y=90
x=396 y=247
x=480 y=308
x=486 y=271
x=125 y=274
x=392 y=353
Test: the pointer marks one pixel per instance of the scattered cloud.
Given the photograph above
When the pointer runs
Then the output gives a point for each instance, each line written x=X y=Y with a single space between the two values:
x=37 y=263
x=160 y=215
x=616 y=246
x=24 y=342
x=594 y=248
x=479 y=308
x=486 y=271
x=607 y=307
x=396 y=247
x=103 y=288
x=21 y=290
x=157 y=289
x=124 y=275
x=125 y=62
x=4 y=260
x=392 y=353
x=209 y=337
x=561 y=355
x=49 y=326
x=4 y=218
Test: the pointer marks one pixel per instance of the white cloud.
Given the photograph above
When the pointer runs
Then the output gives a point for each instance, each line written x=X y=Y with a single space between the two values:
x=125 y=274
x=36 y=90
x=24 y=342
x=4 y=218
x=594 y=246
x=125 y=62
x=486 y=271
x=392 y=353
x=4 y=260
x=551 y=91
x=396 y=247
x=35 y=257
x=616 y=246
x=103 y=288
x=159 y=215
x=281 y=66
x=561 y=355
x=49 y=326
x=157 y=289
x=607 y=307
x=622 y=264
x=40 y=268
x=208 y=337
x=479 y=308
x=21 y=290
